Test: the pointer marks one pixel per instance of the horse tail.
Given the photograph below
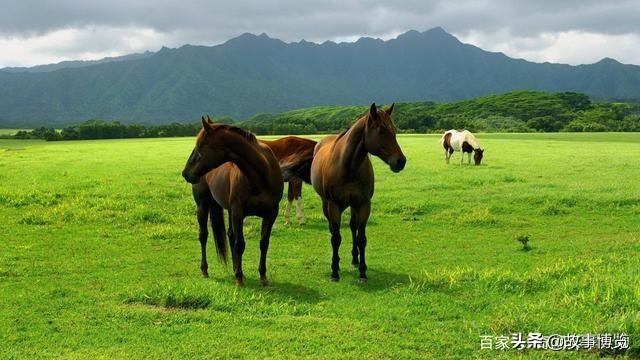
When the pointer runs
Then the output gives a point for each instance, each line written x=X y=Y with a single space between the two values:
x=299 y=167
x=220 y=238
x=444 y=136
x=208 y=208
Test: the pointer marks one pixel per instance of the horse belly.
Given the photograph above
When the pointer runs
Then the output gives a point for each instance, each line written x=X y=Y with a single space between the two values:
x=219 y=182
x=316 y=169
x=455 y=142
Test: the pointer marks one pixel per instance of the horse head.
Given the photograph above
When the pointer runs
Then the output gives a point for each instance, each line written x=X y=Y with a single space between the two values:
x=208 y=153
x=477 y=155
x=380 y=138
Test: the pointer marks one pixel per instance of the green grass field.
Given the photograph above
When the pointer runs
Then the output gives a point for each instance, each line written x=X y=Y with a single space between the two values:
x=99 y=255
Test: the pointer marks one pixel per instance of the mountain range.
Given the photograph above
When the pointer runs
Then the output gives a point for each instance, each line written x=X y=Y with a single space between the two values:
x=252 y=74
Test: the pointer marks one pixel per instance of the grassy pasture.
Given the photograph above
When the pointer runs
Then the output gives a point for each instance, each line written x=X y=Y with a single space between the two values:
x=99 y=255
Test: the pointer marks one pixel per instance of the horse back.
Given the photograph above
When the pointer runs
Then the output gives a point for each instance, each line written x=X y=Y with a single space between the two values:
x=289 y=145
x=324 y=142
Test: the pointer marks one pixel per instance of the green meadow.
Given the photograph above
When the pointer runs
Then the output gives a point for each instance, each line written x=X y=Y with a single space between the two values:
x=99 y=256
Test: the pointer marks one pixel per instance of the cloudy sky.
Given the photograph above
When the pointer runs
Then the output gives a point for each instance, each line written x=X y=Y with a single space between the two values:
x=567 y=31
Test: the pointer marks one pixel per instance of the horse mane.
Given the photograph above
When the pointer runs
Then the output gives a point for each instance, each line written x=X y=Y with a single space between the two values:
x=365 y=113
x=389 y=124
x=343 y=132
x=242 y=132
x=471 y=139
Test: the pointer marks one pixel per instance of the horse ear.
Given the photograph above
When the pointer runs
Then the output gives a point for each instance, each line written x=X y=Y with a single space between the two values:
x=390 y=109
x=206 y=126
x=373 y=111
x=209 y=119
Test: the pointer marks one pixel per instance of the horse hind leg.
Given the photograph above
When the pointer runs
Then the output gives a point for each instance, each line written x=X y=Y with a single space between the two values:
x=267 y=225
x=232 y=241
x=237 y=222
x=297 y=194
x=299 y=214
x=203 y=215
x=287 y=212
x=290 y=198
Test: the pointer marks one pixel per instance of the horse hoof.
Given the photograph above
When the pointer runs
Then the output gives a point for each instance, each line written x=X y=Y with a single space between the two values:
x=335 y=278
x=264 y=281
x=363 y=280
x=355 y=263
x=240 y=282
x=205 y=274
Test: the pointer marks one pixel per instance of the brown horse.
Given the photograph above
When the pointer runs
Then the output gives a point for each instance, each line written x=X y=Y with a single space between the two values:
x=342 y=174
x=289 y=150
x=231 y=170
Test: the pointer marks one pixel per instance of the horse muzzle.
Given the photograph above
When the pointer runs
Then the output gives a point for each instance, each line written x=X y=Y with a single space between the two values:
x=398 y=164
x=190 y=178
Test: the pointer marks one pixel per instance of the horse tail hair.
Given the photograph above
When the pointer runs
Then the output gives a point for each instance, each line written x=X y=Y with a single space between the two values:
x=298 y=168
x=219 y=237
x=444 y=136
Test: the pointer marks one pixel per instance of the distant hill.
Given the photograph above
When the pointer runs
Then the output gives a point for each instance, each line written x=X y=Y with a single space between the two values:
x=75 y=63
x=517 y=111
x=254 y=74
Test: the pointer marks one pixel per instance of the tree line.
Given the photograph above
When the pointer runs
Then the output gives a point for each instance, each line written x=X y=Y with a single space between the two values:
x=518 y=111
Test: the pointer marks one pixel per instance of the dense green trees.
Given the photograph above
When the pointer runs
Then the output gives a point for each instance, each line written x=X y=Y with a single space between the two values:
x=519 y=111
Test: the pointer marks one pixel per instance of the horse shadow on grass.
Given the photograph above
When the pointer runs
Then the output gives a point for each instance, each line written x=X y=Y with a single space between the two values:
x=281 y=291
x=378 y=280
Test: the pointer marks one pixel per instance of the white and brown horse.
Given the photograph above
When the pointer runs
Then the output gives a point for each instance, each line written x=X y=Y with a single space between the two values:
x=463 y=141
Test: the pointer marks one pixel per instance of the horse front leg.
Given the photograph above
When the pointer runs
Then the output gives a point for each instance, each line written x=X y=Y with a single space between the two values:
x=267 y=225
x=237 y=221
x=203 y=215
x=332 y=213
x=353 y=224
x=461 y=157
x=362 y=217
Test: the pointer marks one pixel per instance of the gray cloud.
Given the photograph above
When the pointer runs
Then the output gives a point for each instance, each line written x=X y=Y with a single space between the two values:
x=294 y=19
x=210 y=22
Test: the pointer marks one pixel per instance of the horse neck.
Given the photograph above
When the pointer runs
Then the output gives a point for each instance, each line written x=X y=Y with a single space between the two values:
x=354 y=150
x=247 y=156
x=471 y=140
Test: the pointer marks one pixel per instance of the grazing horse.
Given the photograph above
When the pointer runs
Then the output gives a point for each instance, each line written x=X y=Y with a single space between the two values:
x=288 y=150
x=463 y=141
x=231 y=170
x=342 y=174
